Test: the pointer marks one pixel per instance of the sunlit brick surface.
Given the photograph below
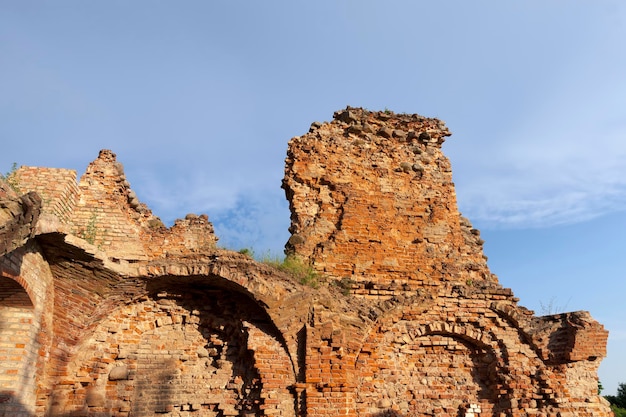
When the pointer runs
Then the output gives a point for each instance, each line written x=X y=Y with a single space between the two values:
x=106 y=312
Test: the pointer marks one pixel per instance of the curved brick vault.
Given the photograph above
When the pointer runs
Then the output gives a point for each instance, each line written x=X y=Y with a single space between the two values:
x=106 y=312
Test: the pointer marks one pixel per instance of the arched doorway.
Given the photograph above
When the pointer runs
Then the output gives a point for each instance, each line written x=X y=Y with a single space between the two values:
x=412 y=371
x=191 y=346
x=18 y=351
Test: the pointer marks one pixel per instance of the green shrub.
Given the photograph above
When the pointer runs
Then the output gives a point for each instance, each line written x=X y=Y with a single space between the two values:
x=91 y=230
x=247 y=251
x=9 y=177
x=618 y=402
x=295 y=267
x=301 y=271
x=619 y=412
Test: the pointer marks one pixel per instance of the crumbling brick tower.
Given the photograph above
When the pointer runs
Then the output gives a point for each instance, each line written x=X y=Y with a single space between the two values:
x=374 y=209
x=104 y=311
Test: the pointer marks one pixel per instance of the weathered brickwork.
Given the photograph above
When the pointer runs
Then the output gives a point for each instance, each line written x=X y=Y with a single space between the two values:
x=186 y=352
x=372 y=201
x=18 y=217
x=17 y=318
x=57 y=188
x=25 y=327
x=106 y=312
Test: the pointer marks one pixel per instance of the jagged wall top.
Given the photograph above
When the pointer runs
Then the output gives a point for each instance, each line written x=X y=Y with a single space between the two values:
x=104 y=211
x=372 y=201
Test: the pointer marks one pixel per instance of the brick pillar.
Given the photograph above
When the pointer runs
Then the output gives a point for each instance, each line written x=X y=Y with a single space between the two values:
x=328 y=388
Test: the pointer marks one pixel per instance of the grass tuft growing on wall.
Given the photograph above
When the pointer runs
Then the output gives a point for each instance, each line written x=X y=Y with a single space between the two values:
x=9 y=177
x=295 y=267
x=301 y=271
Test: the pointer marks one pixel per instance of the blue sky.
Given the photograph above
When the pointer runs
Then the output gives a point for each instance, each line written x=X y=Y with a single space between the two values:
x=199 y=99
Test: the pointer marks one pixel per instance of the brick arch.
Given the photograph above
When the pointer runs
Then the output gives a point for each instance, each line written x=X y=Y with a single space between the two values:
x=181 y=349
x=427 y=369
x=247 y=288
x=261 y=282
x=283 y=300
x=536 y=333
x=488 y=334
x=24 y=284
x=471 y=334
x=18 y=351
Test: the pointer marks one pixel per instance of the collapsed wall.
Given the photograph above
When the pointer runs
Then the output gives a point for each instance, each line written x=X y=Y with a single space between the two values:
x=104 y=211
x=373 y=208
x=373 y=202
x=114 y=314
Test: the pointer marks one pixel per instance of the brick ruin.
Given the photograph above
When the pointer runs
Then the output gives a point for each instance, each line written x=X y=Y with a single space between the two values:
x=104 y=311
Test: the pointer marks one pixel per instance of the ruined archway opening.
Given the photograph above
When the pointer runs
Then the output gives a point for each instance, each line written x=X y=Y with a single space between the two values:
x=197 y=358
x=238 y=299
x=429 y=375
x=187 y=347
x=17 y=347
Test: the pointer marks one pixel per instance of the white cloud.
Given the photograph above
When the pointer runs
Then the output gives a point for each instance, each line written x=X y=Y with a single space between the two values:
x=534 y=193
x=246 y=212
x=259 y=221
x=564 y=162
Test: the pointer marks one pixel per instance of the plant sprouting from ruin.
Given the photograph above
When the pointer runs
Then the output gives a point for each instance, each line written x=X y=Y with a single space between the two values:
x=10 y=178
x=91 y=230
x=301 y=271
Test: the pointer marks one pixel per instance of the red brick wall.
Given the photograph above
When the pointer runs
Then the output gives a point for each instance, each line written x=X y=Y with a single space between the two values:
x=26 y=281
x=128 y=318
x=373 y=202
x=103 y=210
x=183 y=351
x=16 y=347
x=57 y=188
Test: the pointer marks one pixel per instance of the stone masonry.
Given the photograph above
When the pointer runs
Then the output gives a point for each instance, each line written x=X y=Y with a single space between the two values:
x=104 y=311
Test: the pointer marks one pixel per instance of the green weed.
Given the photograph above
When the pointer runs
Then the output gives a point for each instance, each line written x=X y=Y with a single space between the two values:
x=295 y=267
x=10 y=178
x=90 y=232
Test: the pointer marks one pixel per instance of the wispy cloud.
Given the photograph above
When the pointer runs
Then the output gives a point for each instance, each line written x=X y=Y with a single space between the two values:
x=564 y=162
x=259 y=221
x=536 y=198
x=250 y=213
